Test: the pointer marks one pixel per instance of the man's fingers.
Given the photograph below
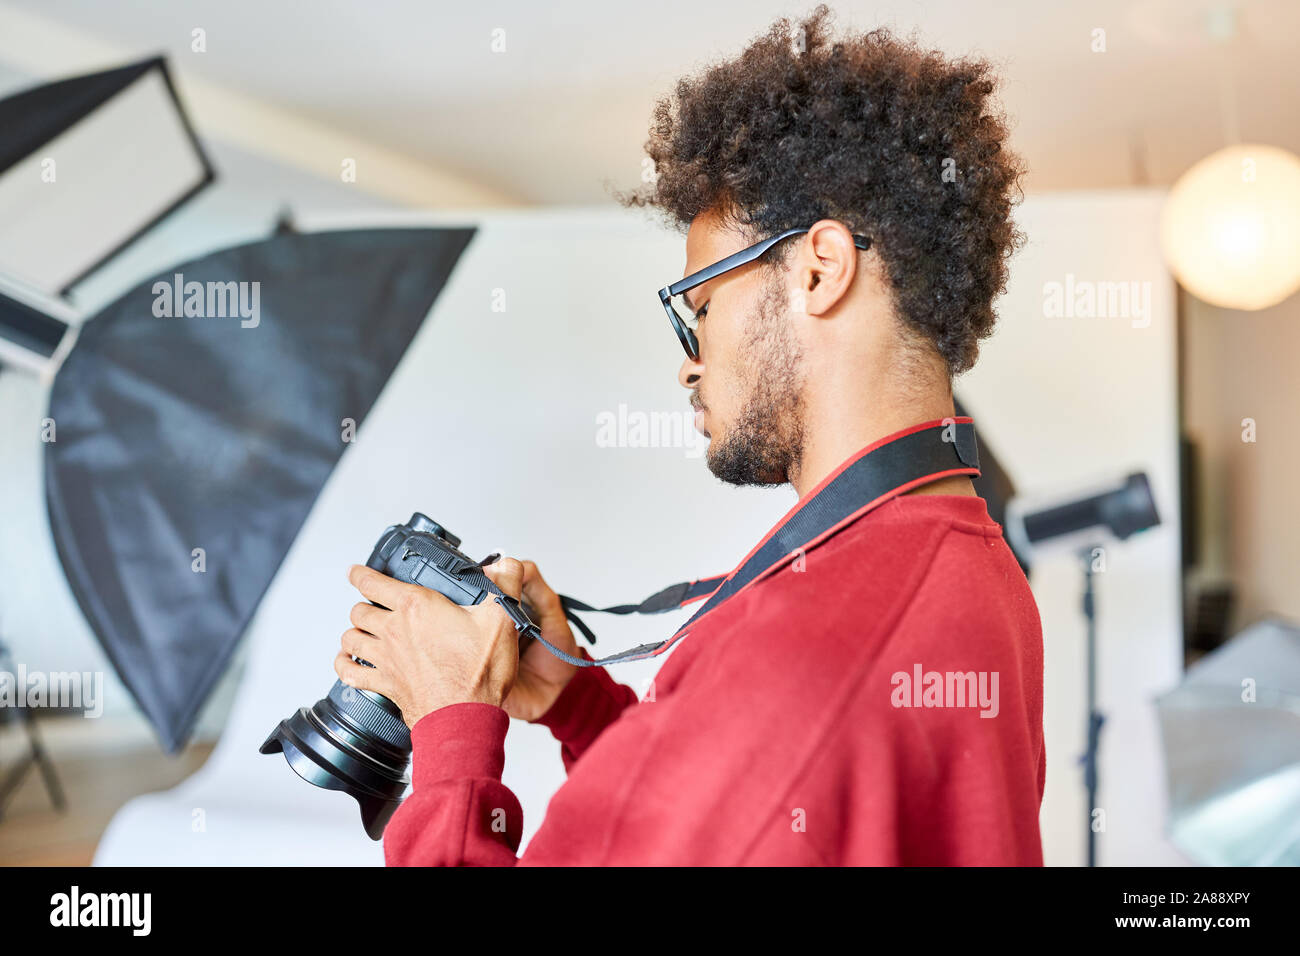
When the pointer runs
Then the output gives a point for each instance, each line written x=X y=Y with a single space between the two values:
x=360 y=644
x=358 y=675
x=370 y=618
x=380 y=588
x=540 y=595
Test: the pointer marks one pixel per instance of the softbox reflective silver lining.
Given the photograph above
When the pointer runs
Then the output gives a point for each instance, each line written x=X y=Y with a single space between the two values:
x=1231 y=735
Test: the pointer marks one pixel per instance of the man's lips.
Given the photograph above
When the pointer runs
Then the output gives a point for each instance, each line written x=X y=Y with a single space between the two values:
x=700 y=412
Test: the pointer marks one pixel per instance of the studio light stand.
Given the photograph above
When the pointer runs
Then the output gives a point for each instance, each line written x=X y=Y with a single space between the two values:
x=35 y=757
x=1094 y=716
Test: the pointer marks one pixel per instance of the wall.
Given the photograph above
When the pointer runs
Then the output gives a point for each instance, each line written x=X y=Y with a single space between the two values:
x=1242 y=365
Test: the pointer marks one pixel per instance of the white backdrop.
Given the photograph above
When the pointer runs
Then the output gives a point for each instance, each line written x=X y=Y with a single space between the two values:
x=490 y=426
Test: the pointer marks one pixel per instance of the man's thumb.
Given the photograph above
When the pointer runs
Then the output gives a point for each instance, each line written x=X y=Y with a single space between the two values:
x=508 y=575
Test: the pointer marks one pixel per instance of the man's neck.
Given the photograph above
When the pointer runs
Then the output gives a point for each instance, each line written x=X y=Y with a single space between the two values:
x=840 y=431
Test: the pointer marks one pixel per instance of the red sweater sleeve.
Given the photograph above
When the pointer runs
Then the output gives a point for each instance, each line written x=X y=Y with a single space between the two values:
x=591 y=702
x=459 y=812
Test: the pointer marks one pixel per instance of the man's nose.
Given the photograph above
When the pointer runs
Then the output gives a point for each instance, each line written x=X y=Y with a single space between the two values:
x=688 y=376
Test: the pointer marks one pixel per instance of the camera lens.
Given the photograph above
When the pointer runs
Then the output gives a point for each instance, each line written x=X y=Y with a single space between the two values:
x=350 y=740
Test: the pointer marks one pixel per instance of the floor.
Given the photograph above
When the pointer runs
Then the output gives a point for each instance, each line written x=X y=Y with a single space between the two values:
x=96 y=785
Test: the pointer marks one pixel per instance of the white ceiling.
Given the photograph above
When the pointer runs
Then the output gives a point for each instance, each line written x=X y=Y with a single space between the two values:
x=565 y=110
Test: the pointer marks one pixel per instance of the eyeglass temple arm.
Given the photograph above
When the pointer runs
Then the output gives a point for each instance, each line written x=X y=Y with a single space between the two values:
x=738 y=259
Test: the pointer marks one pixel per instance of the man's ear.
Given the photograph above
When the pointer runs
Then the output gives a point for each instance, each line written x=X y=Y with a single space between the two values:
x=824 y=268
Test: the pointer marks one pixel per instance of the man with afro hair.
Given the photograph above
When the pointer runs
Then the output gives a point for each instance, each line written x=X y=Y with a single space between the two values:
x=874 y=696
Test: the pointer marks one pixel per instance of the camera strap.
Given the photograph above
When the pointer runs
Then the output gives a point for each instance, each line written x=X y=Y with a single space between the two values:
x=669 y=599
x=882 y=471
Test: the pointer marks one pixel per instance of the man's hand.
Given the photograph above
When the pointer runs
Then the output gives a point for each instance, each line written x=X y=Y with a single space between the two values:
x=428 y=651
x=542 y=675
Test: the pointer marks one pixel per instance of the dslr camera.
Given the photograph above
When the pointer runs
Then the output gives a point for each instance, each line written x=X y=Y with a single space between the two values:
x=355 y=740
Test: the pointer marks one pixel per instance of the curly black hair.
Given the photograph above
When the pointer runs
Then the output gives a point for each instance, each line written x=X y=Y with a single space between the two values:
x=898 y=143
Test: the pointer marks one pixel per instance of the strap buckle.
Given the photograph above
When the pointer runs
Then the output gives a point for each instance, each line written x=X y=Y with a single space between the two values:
x=515 y=612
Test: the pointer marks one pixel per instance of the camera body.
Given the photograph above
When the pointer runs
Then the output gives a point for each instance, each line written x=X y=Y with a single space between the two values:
x=423 y=552
x=356 y=740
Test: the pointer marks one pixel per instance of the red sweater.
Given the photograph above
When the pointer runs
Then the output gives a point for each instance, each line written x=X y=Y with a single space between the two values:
x=776 y=731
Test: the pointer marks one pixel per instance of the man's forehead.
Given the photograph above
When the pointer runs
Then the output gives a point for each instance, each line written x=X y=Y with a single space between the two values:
x=697 y=238
x=707 y=242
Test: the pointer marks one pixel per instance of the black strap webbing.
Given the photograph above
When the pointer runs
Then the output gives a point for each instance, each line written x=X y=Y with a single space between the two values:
x=669 y=599
x=872 y=479
x=918 y=457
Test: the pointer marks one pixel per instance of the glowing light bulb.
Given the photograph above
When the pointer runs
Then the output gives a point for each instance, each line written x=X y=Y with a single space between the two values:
x=1231 y=227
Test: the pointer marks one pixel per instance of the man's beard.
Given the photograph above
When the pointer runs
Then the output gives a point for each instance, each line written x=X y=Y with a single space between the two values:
x=765 y=442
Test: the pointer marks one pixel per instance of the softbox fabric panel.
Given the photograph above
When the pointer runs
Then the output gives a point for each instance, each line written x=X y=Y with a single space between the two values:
x=87 y=165
x=189 y=449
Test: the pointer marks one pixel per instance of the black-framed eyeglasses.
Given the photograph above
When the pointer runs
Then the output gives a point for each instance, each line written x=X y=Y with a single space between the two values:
x=684 y=318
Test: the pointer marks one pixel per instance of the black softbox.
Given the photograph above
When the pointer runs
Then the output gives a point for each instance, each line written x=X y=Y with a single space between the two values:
x=217 y=432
